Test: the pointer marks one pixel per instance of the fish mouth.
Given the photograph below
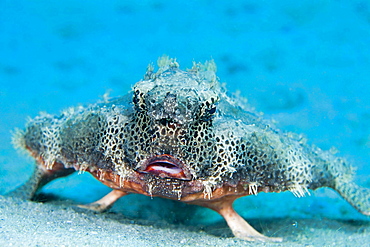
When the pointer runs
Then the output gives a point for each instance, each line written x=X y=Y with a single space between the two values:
x=165 y=166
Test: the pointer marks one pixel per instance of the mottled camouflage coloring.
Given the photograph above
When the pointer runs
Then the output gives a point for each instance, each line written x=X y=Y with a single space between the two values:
x=178 y=135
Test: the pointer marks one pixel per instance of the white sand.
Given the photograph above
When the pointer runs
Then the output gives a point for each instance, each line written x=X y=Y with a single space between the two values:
x=24 y=223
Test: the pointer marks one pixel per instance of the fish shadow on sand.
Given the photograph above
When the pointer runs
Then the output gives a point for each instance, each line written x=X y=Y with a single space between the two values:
x=182 y=217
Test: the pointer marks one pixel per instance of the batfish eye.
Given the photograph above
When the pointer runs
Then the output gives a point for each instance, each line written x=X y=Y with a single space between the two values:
x=138 y=100
x=211 y=110
x=135 y=99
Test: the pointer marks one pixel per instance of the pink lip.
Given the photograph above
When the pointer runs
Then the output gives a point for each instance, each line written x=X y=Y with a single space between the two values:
x=165 y=166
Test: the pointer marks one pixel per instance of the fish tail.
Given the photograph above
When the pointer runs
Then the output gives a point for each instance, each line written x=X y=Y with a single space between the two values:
x=357 y=196
x=340 y=176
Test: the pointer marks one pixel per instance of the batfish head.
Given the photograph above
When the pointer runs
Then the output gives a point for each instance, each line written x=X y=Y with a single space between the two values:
x=174 y=110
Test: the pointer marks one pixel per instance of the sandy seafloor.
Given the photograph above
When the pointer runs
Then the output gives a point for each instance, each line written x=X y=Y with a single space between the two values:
x=305 y=64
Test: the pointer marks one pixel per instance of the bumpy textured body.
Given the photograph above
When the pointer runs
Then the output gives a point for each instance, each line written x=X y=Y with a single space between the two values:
x=178 y=135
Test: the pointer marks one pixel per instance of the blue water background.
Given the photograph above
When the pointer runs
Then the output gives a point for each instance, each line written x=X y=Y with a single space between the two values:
x=305 y=64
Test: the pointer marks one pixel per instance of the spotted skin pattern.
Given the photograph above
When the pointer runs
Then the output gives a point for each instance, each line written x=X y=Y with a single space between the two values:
x=179 y=135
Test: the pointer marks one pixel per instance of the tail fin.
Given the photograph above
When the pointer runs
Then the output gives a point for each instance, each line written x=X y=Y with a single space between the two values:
x=357 y=196
x=340 y=176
